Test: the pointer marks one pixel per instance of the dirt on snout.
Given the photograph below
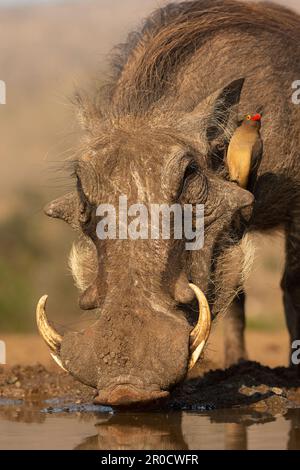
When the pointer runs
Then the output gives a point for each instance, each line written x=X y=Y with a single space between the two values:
x=247 y=384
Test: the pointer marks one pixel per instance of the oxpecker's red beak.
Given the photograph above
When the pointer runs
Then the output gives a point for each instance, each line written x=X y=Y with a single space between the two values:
x=256 y=117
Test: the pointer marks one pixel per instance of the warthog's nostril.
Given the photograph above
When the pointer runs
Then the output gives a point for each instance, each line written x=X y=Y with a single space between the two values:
x=126 y=395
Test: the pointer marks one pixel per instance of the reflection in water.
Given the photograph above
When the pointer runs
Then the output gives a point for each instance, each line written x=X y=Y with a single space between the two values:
x=143 y=431
x=236 y=437
x=15 y=410
x=294 y=434
x=233 y=429
x=147 y=431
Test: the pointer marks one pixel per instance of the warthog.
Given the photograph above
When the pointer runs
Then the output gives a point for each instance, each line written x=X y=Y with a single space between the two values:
x=158 y=133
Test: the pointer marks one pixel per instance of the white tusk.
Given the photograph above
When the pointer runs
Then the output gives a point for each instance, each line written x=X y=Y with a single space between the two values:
x=58 y=361
x=49 y=335
x=196 y=354
x=200 y=333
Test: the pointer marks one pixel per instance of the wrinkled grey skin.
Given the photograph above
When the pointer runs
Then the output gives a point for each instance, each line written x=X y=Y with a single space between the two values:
x=160 y=135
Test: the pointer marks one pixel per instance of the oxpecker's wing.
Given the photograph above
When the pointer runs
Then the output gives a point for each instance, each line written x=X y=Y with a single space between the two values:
x=257 y=153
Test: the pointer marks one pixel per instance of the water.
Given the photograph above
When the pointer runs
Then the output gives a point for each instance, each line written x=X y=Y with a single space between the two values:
x=28 y=427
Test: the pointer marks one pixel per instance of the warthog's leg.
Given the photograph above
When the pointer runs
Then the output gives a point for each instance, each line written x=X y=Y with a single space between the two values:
x=291 y=281
x=233 y=273
x=234 y=331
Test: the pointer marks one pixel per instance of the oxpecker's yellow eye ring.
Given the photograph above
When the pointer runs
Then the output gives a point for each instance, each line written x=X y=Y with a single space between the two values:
x=248 y=117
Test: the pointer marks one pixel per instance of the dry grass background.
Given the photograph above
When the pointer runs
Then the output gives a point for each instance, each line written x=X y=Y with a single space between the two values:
x=46 y=51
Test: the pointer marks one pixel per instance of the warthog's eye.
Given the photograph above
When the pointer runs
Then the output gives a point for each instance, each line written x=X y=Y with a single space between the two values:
x=191 y=170
x=193 y=186
x=190 y=173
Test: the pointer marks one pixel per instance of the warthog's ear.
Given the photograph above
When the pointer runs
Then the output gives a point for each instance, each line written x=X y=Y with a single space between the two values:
x=223 y=110
x=217 y=114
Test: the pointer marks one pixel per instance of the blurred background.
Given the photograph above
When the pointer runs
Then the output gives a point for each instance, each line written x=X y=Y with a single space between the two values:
x=47 y=50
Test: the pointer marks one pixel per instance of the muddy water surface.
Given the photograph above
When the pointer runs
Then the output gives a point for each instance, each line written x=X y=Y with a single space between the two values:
x=248 y=406
x=86 y=427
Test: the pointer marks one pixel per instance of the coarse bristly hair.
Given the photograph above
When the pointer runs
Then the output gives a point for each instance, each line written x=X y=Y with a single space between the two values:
x=143 y=67
x=233 y=266
x=83 y=263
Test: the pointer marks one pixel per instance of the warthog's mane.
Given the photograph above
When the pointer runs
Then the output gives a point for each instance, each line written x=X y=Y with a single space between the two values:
x=144 y=66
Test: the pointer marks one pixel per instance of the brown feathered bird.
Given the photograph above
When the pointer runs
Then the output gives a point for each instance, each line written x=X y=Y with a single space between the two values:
x=245 y=150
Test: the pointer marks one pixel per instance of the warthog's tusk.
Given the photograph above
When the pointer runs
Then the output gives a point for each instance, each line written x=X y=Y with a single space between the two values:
x=58 y=361
x=49 y=335
x=200 y=333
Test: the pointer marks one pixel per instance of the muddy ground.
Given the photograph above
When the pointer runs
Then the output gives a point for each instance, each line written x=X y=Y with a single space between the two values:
x=248 y=384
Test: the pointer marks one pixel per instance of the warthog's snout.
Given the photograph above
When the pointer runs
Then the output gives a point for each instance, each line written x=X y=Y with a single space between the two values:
x=158 y=348
x=128 y=394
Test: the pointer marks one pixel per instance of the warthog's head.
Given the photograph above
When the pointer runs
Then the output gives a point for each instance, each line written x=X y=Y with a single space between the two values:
x=152 y=320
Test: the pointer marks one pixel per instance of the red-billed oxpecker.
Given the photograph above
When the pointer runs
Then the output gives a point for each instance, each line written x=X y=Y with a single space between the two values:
x=245 y=150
